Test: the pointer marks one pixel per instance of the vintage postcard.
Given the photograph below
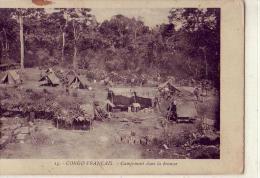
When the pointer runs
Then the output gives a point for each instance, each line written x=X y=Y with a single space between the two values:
x=121 y=87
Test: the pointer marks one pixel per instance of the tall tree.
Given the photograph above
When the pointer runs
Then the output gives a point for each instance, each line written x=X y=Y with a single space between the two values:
x=79 y=20
x=203 y=28
x=7 y=33
x=61 y=19
x=56 y=24
x=20 y=15
x=125 y=36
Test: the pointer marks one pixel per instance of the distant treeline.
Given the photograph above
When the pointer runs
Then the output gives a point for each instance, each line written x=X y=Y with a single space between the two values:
x=187 y=46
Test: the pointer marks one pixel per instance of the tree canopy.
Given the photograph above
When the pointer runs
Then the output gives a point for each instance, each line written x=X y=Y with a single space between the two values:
x=187 y=46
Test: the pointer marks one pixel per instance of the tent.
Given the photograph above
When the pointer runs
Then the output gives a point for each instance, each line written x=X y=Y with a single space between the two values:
x=168 y=87
x=168 y=84
x=186 y=109
x=49 y=70
x=71 y=73
x=77 y=81
x=124 y=97
x=11 y=77
x=50 y=80
x=108 y=82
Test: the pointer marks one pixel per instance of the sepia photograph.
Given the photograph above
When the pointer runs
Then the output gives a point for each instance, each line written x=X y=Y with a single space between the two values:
x=110 y=83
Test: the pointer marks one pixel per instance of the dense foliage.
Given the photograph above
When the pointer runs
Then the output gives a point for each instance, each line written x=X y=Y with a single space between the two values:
x=188 y=46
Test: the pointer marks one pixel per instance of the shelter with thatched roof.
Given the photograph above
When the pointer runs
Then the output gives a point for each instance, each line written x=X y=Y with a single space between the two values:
x=11 y=77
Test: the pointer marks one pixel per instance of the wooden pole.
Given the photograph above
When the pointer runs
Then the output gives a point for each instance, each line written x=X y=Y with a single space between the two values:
x=57 y=123
x=21 y=41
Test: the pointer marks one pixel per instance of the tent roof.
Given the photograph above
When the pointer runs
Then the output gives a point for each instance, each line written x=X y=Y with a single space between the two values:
x=49 y=70
x=53 y=78
x=165 y=84
x=14 y=74
x=122 y=91
x=84 y=80
x=71 y=73
x=186 y=109
x=186 y=90
x=145 y=92
x=2 y=75
x=81 y=79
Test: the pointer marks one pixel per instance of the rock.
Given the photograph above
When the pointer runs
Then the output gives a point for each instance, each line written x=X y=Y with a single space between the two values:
x=21 y=136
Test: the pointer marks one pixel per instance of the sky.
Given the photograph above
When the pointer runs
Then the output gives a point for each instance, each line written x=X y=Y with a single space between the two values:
x=151 y=17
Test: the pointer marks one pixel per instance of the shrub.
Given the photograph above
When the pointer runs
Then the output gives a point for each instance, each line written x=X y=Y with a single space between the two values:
x=75 y=94
x=90 y=75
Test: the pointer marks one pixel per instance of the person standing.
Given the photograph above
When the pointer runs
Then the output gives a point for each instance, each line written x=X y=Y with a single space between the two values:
x=196 y=93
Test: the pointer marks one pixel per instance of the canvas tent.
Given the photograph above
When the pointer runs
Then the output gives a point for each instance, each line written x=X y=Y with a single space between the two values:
x=49 y=70
x=122 y=98
x=108 y=82
x=77 y=81
x=118 y=100
x=168 y=86
x=186 y=109
x=11 y=77
x=50 y=80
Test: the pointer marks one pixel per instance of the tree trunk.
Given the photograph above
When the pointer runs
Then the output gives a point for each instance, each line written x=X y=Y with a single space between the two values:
x=5 y=47
x=75 y=60
x=21 y=41
x=64 y=39
x=1 y=52
x=63 y=46
x=206 y=65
